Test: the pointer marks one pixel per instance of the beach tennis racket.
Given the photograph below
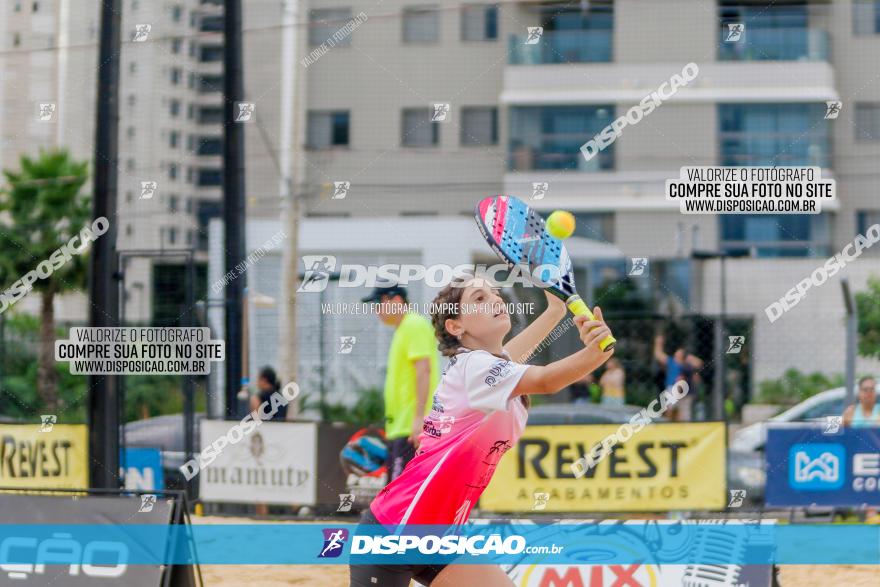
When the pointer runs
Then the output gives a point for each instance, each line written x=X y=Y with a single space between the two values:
x=517 y=234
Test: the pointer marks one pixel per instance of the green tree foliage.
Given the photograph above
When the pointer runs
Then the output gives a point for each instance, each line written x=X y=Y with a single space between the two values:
x=794 y=387
x=368 y=409
x=41 y=208
x=19 y=399
x=868 y=308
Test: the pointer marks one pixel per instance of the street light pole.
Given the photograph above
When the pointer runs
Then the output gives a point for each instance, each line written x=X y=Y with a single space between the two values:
x=718 y=412
x=103 y=397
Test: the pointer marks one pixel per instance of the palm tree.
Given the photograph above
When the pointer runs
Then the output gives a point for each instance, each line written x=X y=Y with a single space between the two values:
x=41 y=209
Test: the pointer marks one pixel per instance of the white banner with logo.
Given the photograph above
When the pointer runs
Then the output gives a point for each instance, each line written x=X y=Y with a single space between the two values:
x=275 y=464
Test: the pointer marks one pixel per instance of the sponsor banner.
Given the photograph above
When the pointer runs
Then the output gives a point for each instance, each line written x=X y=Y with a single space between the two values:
x=707 y=544
x=807 y=467
x=99 y=543
x=639 y=575
x=663 y=467
x=664 y=538
x=142 y=469
x=274 y=464
x=54 y=459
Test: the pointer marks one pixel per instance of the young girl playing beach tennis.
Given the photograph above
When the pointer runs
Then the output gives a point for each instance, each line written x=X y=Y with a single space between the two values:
x=479 y=412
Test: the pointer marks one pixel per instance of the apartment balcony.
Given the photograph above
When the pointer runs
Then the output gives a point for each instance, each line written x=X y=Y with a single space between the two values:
x=775 y=44
x=554 y=47
x=210 y=69
x=625 y=84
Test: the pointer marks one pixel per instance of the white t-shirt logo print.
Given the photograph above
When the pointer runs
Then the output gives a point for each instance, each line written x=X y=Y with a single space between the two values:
x=499 y=370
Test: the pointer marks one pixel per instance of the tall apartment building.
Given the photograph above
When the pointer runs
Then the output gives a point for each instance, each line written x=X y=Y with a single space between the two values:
x=520 y=110
x=170 y=125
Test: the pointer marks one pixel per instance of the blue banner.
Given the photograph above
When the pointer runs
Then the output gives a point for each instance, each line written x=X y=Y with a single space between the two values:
x=708 y=542
x=809 y=466
x=142 y=469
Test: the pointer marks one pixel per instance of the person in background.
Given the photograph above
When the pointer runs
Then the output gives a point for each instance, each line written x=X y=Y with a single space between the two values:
x=267 y=384
x=680 y=366
x=865 y=412
x=581 y=391
x=411 y=376
x=612 y=382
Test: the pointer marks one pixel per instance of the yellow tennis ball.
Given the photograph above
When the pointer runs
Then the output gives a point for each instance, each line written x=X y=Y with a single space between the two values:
x=560 y=224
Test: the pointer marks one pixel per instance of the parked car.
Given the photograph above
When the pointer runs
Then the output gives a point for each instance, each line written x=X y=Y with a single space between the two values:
x=813 y=409
x=166 y=434
x=745 y=470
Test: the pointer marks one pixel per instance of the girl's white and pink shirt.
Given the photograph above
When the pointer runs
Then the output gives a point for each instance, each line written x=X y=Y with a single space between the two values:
x=473 y=422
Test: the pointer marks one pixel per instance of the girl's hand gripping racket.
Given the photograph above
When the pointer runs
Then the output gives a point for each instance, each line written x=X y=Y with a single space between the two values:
x=517 y=234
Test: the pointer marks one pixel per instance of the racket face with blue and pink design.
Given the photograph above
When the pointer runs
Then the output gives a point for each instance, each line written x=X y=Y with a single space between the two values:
x=517 y=234
x=519 y=237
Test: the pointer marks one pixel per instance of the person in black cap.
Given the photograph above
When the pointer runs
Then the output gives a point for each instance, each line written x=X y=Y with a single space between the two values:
x=411 y=376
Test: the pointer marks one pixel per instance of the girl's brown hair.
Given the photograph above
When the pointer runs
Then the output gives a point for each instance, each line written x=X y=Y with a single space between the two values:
x=447 y=306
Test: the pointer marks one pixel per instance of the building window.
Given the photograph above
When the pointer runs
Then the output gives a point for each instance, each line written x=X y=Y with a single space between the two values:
x=132 y=99
x=173 y=139
x=775 y=235
x=172 y=235
x=866 y=17
x=129 y=164
x=421 y=24
x=174 y=107
x=129 y=132
x=211 y=24
x=176 y=13
x=210 y=115
x=175 y=75
x=774 y=134
x=175 y=45
x=128 y=196
x=209 y=177
x=172 y=203
x=211 y=53
x=35 y=7
x=479 y=22
x=172 y=171
x=773 y=32
x=210 y=146
x=550 y=137
x=418 y=130
x=210 y=83
x=16 y=40
x=128 y=230
x=868 y=121
x=598 y=226
x=323 y=23
x=479 y=126
x=132 y=67
x=189 y=205
x=327 y=129
x=573 y=33
x=866 y=219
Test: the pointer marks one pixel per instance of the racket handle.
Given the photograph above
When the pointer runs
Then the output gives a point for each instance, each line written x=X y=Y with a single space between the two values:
x=579 y=308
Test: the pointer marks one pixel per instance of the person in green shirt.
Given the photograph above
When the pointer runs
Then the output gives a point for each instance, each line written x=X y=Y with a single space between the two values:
x=411 y=377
